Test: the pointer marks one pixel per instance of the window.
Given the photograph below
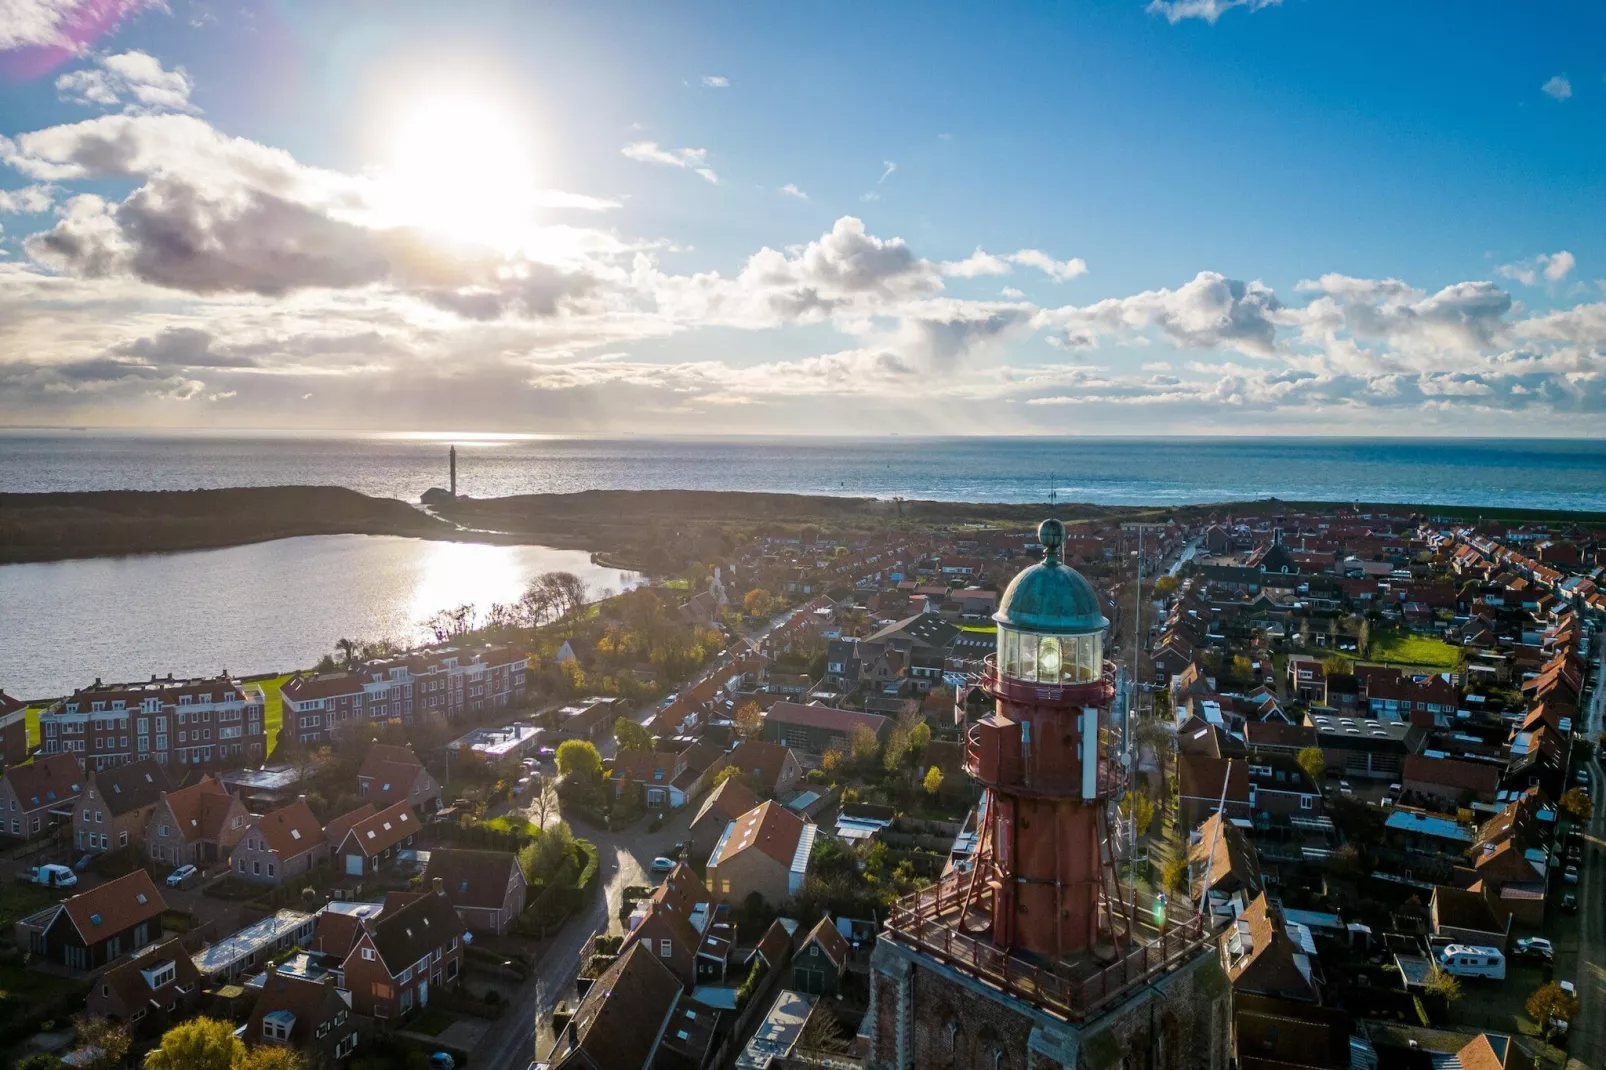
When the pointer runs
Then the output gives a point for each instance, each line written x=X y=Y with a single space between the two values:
x=122 y=838
x=1305 y=802
x=270 y=869
x=239 y=865
x=665 y=948
x=368 y=954
x=256 y=868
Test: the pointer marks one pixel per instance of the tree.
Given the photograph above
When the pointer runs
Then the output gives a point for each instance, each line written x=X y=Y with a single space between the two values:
x=919 y=738
x=102 y=1042
x=728 y=772
x=347 y=649
x=933 y=781
x=579 y=759
x=1165 y=586
x=862 y=743
x=821 y=1035
x=1314 y=763
x=758 y=603
x=198 y=1044
x=543 y=801
x=1242 y=669
x=271 y=1057
x=1442 y=983
x=42 y=1060
x=1338 y=665
x=1145 y=809
x=1550 y=1004
x=1174 y=873
x=749 y=720
x=831 y=759
x=631 y=736
x=897 y=747
x=1578 y=805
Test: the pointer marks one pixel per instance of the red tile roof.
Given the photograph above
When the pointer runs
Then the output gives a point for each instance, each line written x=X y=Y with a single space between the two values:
x=383 y=830
x=290 y=830
x=832 y=720
x=768 y=827
x=115 y=906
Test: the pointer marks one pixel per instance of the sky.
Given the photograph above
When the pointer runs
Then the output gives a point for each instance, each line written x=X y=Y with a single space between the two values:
x=1106 y=217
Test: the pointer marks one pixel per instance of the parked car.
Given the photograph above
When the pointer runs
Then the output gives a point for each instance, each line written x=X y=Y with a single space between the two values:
x=1570 y=875
x=49 y=875
x=662 y=864
x=1344 y=788
x=1569 y=903
x=1582 y=776
x=183 y=873
x=441 y=1060
x=1535 y=947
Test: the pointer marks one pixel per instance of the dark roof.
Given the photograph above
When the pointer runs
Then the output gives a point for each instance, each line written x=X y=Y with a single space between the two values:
x=51 y=780
x=832 y=720
x=617 y=1023
x=727 y=802
x=774 y=945
x=824 y=933
x=312 y=1002
x=291 y=830
x=125 y=788
x=406 y=934
x=472 y=878
x=115 y=906
x=127 y=980
x=924 y=629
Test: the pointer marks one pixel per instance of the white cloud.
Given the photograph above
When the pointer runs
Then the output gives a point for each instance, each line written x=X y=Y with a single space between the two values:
x=1558 y=88
x=1211 y=311
x=791 y=190
x=1552 y=267
x=135 y=80
x=29 y=200
x=1175 y=11
x=693 y=159
x=981 y=263
x=976 y=264
x=69 y=24
x=1058 y=270
x=716 y=81
x=887 y=168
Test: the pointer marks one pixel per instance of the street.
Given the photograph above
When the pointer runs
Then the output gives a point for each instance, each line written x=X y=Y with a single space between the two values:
x=1585 y=1042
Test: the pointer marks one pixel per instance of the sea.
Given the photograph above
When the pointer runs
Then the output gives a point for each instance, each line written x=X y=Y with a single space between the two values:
x=278 y=606
x=1497 y=473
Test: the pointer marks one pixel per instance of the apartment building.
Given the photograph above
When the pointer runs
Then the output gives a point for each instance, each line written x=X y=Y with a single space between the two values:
x=446 y=682
x=179 y=722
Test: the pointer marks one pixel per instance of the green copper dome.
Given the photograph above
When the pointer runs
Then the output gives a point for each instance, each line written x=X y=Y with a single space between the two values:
x=1051 y=597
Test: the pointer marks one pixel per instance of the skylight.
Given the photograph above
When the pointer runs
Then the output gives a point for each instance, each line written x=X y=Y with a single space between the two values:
x=295 y=834
x=94 y=919
x=140 y=898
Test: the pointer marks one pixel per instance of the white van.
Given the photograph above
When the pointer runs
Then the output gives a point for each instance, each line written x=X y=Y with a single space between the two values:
x=1467 y=960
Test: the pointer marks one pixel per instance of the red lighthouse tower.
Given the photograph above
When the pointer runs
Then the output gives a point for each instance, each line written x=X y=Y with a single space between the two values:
x=1042 y=760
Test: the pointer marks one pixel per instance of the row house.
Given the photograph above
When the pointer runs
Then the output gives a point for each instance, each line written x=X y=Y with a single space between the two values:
x=1391 y=695
x=280 y=845
x=155 y=988
x=391 y=774
x=117 y=804
x=372 y=841
x=35 y=796
x=178 y=722
x=446 y=682
x=400 y=956
x=676 y=926
x=198 y=825
x=13 y=730
x=307 y=1014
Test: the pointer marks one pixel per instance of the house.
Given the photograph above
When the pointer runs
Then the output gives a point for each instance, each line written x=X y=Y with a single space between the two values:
x=155 y=988
x=1449 y=782
x=819 y=962
x=99 y=926
x=1272 y=967
x=311 y=1015
x=1200 y=781
x=335 y=831
x=374 y=840
x=724 y=804
x=1221 y=860
x=244 y=951
x=677 y=920
x=764 y=852
x=13 y=730
x=1465 y=916
x=1493 y=1051
x=116 y=804
x=399 y=956
x=1365 y=747
x=279 y=845
x=35 y=796
x=770 y=769
x=198 y=825
x=486 y=888
x=656 y=772
x=390 y=775
x=622 y=1017
x=817 y=729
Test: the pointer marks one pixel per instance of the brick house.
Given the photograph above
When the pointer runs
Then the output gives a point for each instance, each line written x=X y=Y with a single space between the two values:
x=655 y=771
x=819 y=962
x=178 y=722
x=678 y=919
x=623 y=1018
x=335 y=831
x=771 y=769
x=307 y=1014
x=401 y=955
x=35 y=795
x=723 y=805
x=198 y=825
x=374 y=841
x=13 y=730
x=116 y=804
x=486 y=888
x=1199 y=784
x=155 y=989
x=1449 y=782
x=390 y=775
x=765 y=851
x=279 y=845
x=816 y=729
x=99 y=926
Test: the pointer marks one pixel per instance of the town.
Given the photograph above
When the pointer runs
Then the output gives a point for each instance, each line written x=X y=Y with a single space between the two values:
x=1261 y=787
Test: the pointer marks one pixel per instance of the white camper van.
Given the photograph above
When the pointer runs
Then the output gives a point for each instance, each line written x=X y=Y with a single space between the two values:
x=1467 y=960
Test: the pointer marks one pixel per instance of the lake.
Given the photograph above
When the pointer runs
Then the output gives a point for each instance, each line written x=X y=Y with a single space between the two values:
x=268 y=607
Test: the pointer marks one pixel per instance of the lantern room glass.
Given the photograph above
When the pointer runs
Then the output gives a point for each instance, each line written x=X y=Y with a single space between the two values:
x=1050 y=659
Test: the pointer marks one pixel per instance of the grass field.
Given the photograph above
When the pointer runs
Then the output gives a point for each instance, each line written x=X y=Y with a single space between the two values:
x=273 y=713
x=32 y=715
x=1391 y=648
x=987 y=629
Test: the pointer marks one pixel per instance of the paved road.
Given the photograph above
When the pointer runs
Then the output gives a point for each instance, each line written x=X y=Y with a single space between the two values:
x=625 y=858
x=1589 y=1031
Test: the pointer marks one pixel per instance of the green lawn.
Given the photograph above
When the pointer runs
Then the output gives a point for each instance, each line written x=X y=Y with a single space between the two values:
x=273 y=715
x=32 y=716
x=18 y=900
x=1391 y=648
x=985 y=629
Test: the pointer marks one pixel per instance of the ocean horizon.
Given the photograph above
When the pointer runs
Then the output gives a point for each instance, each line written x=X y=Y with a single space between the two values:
x=1521 y=473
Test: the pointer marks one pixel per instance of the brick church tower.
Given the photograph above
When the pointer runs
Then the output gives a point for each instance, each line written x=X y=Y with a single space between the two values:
x=1033 y=955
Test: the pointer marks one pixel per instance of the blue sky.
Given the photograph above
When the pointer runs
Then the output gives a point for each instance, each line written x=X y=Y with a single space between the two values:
x=1202 y=216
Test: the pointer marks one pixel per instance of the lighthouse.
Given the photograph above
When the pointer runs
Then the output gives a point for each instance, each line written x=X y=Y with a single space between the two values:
x=1030 y=953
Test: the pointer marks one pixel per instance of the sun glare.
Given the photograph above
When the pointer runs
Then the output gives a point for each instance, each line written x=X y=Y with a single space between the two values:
x=460 y=166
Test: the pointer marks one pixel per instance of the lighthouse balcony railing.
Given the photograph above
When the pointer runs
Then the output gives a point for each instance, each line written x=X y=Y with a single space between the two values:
x=1095 y=692
x=1010 y=773
x=932 y=922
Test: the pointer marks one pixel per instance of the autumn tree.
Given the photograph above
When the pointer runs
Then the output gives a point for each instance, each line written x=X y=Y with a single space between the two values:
x=579 y=759
x=863 y=743
x=831 y=759
x=919 y=738
x=1550 y=1004
x=631 y=736
x=749 y=720
x=1174 y=874
x=1313 y=762
x=896 y=749
x=1338 y=665
x=197 y=1044
x=101 y=1042
x=1165 y=586
x=758 y=603
x=933 y=781
x=1442 y=983
x=271 y=1057
x=732 y=771
x=1578 y=805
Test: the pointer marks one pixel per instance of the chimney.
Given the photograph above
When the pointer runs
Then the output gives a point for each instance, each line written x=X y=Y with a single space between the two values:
x=439 y=885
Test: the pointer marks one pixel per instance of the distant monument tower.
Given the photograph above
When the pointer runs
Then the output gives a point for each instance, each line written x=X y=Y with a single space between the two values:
x=451 y=456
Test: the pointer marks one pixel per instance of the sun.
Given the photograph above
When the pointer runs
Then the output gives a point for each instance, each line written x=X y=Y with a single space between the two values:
x=459 y=165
